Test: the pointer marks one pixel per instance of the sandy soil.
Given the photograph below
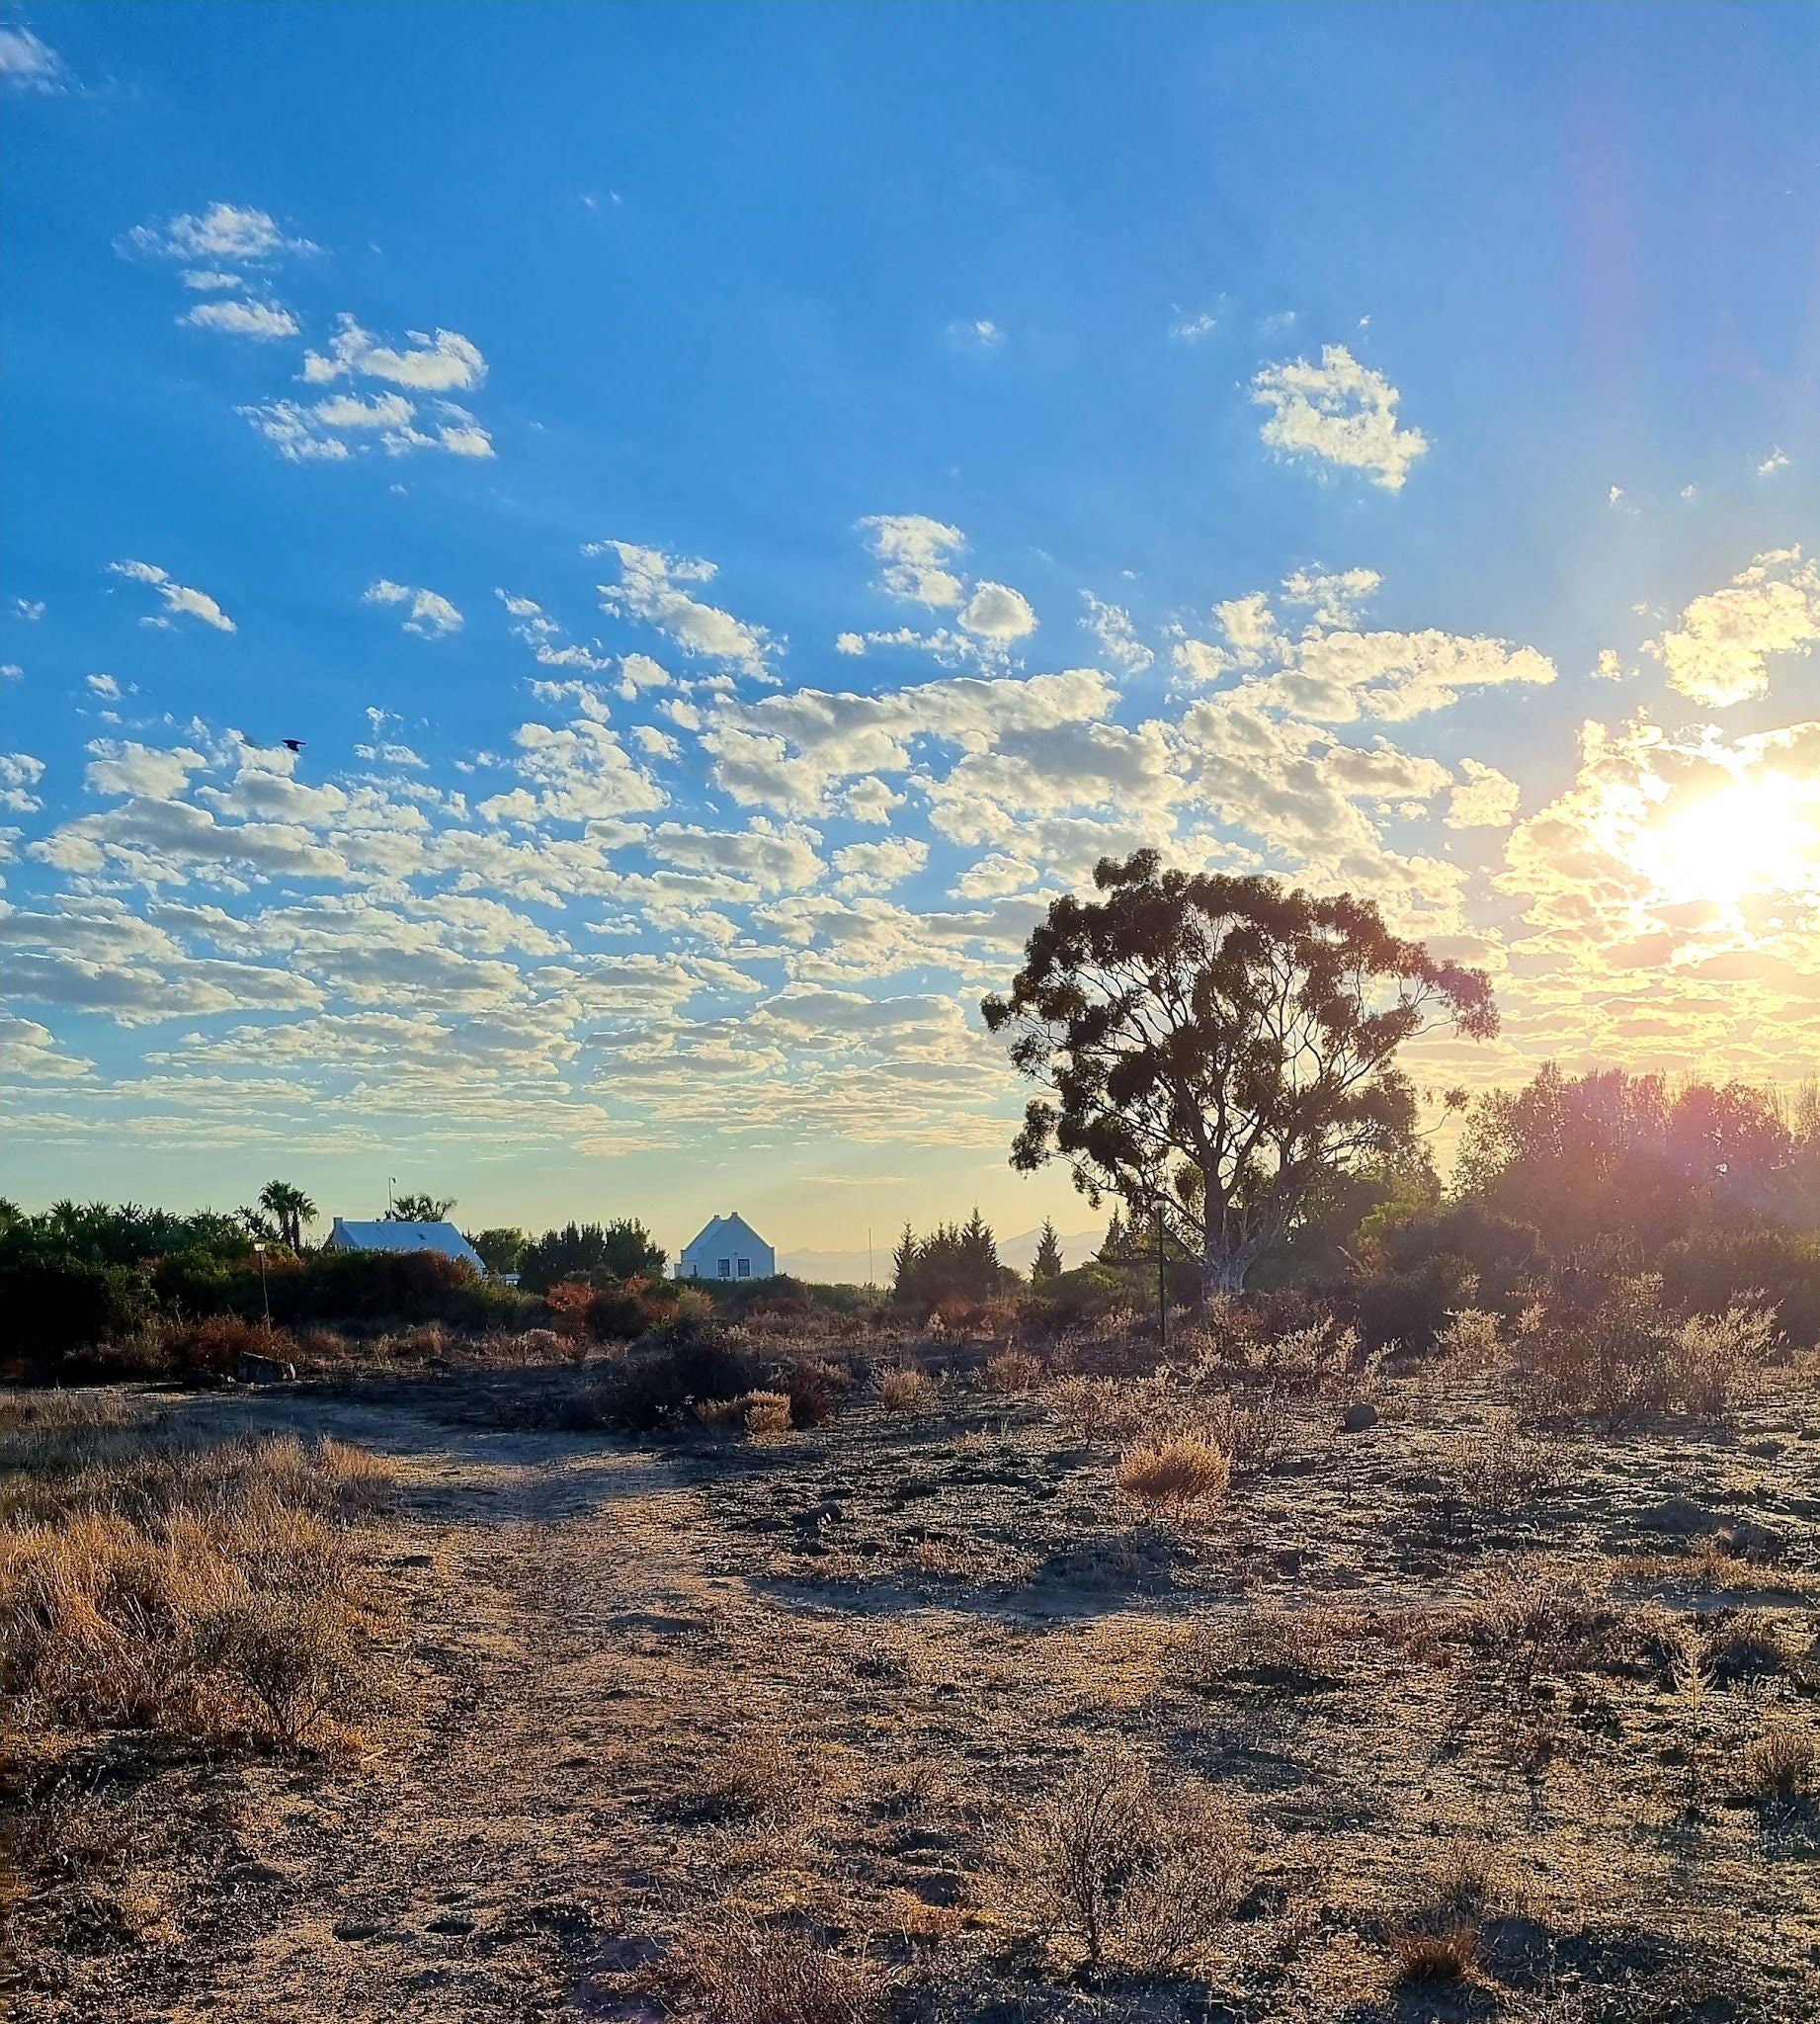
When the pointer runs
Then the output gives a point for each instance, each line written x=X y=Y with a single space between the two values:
x=627 y=1688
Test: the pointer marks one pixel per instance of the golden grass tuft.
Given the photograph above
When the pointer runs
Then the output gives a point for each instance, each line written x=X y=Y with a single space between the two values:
x=1183 y=1470
x=906 y=1390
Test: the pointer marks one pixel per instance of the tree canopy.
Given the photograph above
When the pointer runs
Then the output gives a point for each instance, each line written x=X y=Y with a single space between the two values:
x=419 y=1209
x=289 y=1208
x=624 y=1249
x=1213 y=1048
x=956 y=1262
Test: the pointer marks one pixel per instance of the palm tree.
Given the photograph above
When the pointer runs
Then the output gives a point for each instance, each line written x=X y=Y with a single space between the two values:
x=290 y=1208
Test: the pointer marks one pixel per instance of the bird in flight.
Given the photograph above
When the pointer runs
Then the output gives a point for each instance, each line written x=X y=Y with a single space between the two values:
x=292 y=744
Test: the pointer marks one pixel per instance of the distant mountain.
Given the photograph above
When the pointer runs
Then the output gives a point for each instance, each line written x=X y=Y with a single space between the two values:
x=848 y=1268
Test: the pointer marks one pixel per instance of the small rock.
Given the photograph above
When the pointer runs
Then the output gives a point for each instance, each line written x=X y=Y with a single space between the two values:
x=353 y=1930
x=1357 y=1418
x=1745 y=1540
x=266 y=1370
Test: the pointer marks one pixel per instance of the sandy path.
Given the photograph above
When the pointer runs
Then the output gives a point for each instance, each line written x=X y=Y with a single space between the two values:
x=534 y=1588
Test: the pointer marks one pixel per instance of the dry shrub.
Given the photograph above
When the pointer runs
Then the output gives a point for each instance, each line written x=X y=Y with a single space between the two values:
x=906 y=1390
x=1444 y=1953
x=737 y=1971
x=1778 y=1765
x=1615 y=1354
x=1469 y=1339
x=1257 y=1434
x=763 y=1772
x=1716 y=1362
x=764 y=1413
x=1014 y=1371
x=1122 y=1865
x=1325 y=1358
x=1184 y=1470
x=1500 y=1467
x=1268 y=1641
x=202 y=1590
x=1538 y=1634
x=1091 y=1409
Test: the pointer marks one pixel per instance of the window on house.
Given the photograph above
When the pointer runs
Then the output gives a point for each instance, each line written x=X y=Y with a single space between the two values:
x=726 y=1268
x=745 y=1268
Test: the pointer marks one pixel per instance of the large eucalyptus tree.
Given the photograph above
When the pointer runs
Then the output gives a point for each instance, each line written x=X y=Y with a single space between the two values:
x=1213 y=1047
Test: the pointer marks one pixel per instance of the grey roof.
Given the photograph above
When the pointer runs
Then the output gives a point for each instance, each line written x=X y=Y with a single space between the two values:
x=727 y=1226
x=386 y=1236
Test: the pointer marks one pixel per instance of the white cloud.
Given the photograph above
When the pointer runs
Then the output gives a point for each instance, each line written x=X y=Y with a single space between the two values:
x=103 y=685
x=440 y=362
x=997 y=613
x=979 y=330
x=210 y=280
x=179 y=598
x=995 y=875
x=1717 y=655
x=878 y=867
x=913 y=552
x=1192 y=329
x=19 y=773
x=224 y=231
x=126 y=768
x=1112 y=625
x=29 y=63
x=648 y=589
x=432 y=617
x=243 y=320
x=31 y=610
x=580 y=773
x=1333 y=596
x=308 y=433
x=1775 y=460
x=1484 y=799
x=1338 y=412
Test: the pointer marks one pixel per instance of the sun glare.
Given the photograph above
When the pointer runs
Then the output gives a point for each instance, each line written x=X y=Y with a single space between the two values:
x=1753 y=836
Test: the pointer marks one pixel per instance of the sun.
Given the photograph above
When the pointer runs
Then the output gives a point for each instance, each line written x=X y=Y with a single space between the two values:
x=1752 y=836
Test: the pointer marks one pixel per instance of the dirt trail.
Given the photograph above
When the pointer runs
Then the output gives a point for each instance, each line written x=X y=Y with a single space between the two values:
x=533 y=1586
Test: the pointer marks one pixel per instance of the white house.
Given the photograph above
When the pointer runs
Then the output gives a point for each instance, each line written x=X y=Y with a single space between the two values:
x=728 y=1248
x=442 y=1237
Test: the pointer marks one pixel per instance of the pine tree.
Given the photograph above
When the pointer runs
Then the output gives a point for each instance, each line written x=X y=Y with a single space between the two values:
x=903 y=1265
x=1048 y=1263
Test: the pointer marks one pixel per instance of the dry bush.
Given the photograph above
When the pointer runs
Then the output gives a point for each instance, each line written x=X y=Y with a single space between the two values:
x=762 y=1772
x=1500 y=1467
x=1173 y=1474
x=203 y=1590
x=1539 y=1635
x=1445 y=1953
x=1014 y=1371
x=1715 y=1363
x=1469 y=1339
x=1122 y=1866
x=1092 y=1409
x=1325 y=1358
x=1273 y=1642
x=1618 y=1355
x=736 y=1971
x=764 y=1413
x=906 y=1390
x=1778 y=1765
x=1257 y=1434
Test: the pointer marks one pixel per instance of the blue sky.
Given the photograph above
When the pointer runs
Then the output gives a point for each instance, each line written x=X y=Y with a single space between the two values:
x=742 y=505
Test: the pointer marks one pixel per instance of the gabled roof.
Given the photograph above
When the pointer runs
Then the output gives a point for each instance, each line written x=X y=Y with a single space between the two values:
x=386 y=1236
x=725 y=1229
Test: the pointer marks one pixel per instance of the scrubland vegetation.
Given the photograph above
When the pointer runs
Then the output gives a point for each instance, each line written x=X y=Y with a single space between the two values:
x=791 y=1664
x=1421 y=1625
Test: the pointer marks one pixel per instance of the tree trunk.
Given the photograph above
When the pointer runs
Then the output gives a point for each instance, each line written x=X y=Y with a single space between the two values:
x=1223 y=1265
